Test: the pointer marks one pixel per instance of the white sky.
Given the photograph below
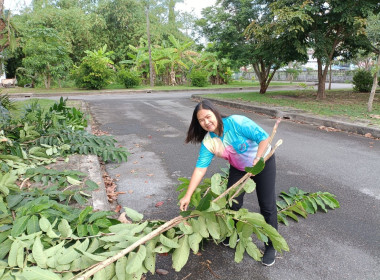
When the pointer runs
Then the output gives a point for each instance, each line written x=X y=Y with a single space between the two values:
x=187 y=5
x=196 y=5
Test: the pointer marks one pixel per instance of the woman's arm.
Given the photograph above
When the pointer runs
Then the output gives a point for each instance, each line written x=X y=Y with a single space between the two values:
x=194 y=182
x=261 y=150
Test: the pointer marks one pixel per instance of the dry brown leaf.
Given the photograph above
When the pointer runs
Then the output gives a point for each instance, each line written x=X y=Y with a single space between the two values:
x=123 y=219
x=368 y=135
x=158 y=204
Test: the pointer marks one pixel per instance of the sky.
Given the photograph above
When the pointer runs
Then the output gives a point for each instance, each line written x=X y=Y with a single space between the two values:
x=187 y=5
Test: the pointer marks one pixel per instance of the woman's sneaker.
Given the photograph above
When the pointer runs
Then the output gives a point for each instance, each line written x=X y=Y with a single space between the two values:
x=269 y=257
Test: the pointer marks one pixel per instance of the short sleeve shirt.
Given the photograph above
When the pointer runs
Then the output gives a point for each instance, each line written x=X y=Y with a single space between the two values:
x=238 y=144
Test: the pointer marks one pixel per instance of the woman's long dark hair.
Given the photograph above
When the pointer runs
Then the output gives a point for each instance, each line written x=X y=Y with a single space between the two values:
x=196 y=133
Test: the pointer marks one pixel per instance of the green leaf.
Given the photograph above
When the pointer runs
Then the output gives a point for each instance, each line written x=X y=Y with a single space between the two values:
x=204 y=204
x=19 y=226
x=249 y=186
x=216 y=187
x=65 y=229
x=134 y=215
x=259 y=166
x=168 y=242
x=212 y=225
x=82 y=230
x=99 y=215
x=181 y=254
x=12 y=257
x=85 y=212
x=36 y=273
x=93 y=229
x=136 y=261
x=253 y=251
x=194 y=241
x=150 y=259
x=33 y=225
x=80 y=199
x=239 y=254
x=38 y=253
x=185 y=228
x=120 y=268
x=291 y=215
x=199 y=225
x=92 y=185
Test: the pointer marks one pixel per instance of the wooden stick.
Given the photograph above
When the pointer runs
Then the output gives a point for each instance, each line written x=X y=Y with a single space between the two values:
x=99 y=266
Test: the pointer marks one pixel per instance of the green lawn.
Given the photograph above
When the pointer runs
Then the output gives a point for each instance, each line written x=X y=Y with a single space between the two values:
x=44 y=104
x=340 y=103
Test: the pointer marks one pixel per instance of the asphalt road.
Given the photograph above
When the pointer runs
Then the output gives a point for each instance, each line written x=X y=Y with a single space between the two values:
x=340 y=244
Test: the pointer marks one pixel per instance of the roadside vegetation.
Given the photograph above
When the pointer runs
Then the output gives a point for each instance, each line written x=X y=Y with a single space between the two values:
x=343 y=104
x=48 y=230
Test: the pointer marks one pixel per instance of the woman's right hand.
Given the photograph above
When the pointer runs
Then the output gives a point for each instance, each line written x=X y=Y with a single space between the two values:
x=184 y=203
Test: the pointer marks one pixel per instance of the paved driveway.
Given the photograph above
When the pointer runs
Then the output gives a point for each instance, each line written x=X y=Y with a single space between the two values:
x=341 y=244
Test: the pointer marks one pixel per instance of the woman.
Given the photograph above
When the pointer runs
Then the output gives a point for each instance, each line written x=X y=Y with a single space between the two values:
x=242 y=142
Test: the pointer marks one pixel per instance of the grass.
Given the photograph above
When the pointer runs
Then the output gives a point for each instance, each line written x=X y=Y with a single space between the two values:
x=143 y=87
x=344 y=104
x=45 y=104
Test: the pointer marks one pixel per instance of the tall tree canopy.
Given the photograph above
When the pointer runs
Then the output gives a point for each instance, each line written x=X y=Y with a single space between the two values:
x=333 y=30
x=252 y=33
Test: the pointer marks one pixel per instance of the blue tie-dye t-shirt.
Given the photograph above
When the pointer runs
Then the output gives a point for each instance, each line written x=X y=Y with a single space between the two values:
x=238 y=145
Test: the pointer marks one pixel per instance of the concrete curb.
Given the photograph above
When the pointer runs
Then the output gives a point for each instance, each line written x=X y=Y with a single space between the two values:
x=298 y=115
x=91 y=164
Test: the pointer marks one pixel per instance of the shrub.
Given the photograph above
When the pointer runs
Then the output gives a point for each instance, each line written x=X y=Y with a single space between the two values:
x=199 y=78
x=129 y=79
x=95 y=71
x=362 y=81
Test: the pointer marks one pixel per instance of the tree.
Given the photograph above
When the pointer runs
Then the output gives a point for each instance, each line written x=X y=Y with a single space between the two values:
x=271 y=40
x=46 y=55
x=373 y=33
x=333 y=30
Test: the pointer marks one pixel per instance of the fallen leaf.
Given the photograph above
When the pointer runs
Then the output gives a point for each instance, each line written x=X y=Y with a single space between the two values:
x=118 y=208
x=158 y=204
x=117 y=175
x=130 y=191
x=368 y=135
x=133 y=171
x=123 y=219
x=160 y=271
x=150 y=174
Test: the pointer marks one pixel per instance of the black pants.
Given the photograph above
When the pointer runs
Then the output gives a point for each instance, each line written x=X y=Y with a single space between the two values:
x=265 y=190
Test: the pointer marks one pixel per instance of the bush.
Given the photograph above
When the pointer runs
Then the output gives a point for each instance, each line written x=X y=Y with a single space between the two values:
x=95 y=71
x=362 y=81
x=199 y=78
x=129 y=79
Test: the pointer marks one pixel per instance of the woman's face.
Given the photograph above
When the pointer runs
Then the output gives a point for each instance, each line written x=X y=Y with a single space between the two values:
x=207 y=120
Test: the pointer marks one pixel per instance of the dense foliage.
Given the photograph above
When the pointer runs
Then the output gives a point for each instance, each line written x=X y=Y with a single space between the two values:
x=362 y=80
x=95 y=71
x=199 y=78
x=128 y=78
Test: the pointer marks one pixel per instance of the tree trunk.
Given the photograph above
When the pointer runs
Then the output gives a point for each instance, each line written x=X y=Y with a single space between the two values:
x=330 y=77
x=151 y=75
x=172 y=77
x=322 y=73
x=374 y=85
